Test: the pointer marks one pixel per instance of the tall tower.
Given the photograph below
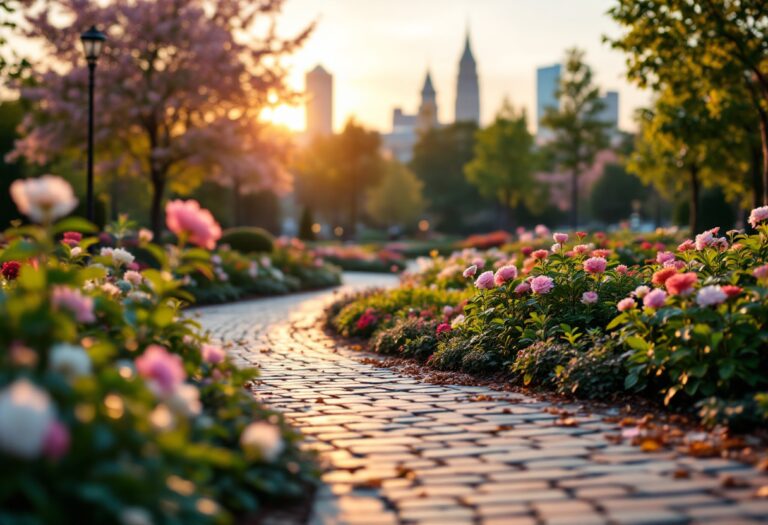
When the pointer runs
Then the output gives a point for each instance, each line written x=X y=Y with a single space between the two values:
x=547 y=84
x=319 y=102
x=467 y=87
x=427 y=117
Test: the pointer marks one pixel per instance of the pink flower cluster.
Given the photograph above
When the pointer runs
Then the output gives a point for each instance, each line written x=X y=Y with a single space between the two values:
x=542 y=284
x=163 y=370
x=81 y=306
x=758 y=215
x=506 y=273
x=595 y=265
x=188 y=219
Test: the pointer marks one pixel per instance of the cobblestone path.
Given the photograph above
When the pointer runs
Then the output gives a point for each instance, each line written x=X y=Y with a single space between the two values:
x=399 y=451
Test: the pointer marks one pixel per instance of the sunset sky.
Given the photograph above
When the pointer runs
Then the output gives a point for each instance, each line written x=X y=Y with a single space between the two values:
x=379 y=50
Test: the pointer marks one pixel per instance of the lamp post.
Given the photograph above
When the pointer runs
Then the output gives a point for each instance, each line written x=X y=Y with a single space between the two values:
x=93 y=41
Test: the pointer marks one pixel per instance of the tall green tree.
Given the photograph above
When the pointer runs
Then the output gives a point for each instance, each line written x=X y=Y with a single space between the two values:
x=397 y=199
x=579 y=131
x=614 y=194
x=504 y=162
x=334 y=172
x=681 y=148
x=723 y=44
x=439 y=157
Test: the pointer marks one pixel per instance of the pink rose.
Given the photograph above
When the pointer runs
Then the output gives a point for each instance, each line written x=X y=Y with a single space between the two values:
x=758 y=215
x=504 y=274
x=187 y=218
x=523 y=287
x=595 y=265
x=560 y=238
x=542 y=284
x=761 y=272
x=655 y=298
x=163 y=370
x=625 y=304
x=589 y=297
x=66 y=298
x=485 y=281
x=212 y=354
x=663 y=257
x=470 y=272
x=622 y=269
x=686 y=245
x=56 y=441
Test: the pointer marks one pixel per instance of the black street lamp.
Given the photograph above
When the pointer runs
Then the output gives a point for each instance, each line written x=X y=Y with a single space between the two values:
x=93 y=41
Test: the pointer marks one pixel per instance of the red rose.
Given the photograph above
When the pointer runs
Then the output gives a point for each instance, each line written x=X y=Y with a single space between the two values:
x=10 y=270
x=681 y=283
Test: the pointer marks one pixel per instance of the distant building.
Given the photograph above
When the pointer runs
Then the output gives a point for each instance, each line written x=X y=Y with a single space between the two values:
x=427 y=117
x=319 y=85
x=610 y=112
x=547 y=84
x=467 y=88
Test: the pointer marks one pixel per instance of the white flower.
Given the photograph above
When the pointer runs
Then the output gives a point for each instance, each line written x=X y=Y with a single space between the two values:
x=710 y=296
x=25 y=415
x=135 y=516
x=458 y=320
x=106 y=252
x=44 y=199
x=76 y=251
x=185 y=400
x=262 y=438
x=122 y=256
x=69 y=360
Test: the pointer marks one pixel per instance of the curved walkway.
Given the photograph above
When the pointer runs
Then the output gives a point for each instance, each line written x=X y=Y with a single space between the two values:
x=399 y=451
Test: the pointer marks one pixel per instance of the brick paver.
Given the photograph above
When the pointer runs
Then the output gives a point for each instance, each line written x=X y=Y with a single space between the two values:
x=398 y=451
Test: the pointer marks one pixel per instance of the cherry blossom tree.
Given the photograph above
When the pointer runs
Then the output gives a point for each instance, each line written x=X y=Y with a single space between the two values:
x=177 y=83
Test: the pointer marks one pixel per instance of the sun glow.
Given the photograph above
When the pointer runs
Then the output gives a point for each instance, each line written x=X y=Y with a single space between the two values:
x=291 y=117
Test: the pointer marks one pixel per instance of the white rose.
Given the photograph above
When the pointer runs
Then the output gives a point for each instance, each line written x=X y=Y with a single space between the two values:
x=262 y=438
x=185 y=400
x=25 y=415
x=44 y=199
x=121 y=256
x=69 y=360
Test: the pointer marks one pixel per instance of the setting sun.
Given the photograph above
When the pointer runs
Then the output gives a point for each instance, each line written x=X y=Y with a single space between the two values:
x=291 y=117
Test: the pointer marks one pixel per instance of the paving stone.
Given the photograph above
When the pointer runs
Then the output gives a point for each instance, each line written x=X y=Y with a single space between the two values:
x=397 y=451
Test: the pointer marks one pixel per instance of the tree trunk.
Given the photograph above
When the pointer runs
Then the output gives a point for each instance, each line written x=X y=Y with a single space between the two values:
x=756 y=170
x=236 y=218
x=114 y=198
x=158 y=188
x=693 y=213
x=574 y=199
x=764 y=143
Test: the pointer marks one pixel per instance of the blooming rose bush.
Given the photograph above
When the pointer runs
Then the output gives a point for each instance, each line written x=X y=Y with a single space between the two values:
x=678 y=320
x=114 y=408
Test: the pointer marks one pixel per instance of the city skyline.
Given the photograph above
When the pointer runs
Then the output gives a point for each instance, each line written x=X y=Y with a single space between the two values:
x=379 y=65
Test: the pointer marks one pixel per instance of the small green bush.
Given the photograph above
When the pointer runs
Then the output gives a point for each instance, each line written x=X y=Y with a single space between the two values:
x=248 y=239
x=411 y=337
x=542 y=362
x=597 y=373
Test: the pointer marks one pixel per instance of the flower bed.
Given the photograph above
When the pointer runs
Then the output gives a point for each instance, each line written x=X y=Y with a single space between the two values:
x=114 y=408
x=358 y=259
x=681 y=321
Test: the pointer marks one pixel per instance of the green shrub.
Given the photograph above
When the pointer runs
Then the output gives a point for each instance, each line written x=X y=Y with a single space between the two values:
x=412 y=337
x=597 y=373
x=248 y=239
x=476 y=354
x=542 y=362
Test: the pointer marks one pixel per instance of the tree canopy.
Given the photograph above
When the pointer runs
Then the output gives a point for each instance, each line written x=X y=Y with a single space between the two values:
x=176 y=80
x=504 y=161
x=579 y=130
x=397 y=199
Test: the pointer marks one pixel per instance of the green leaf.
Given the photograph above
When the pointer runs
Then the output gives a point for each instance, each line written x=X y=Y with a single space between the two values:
x=75 y=224
x=619 y=319
x=637 y=343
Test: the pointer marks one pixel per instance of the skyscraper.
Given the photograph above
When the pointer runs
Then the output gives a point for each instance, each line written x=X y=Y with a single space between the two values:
x=547 y=83
x=467 y=87
x=427 y=117
x=319 y=102
x=610 y=112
